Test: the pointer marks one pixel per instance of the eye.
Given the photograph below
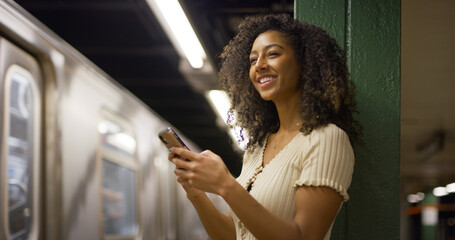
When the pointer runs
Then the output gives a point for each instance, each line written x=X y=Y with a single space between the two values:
x=253 y=60
x=272 y=54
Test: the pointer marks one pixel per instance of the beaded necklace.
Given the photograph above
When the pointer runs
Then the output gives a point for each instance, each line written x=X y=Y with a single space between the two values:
x=249 y=184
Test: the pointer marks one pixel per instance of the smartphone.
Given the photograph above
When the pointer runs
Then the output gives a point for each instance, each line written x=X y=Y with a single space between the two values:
x=170 y=138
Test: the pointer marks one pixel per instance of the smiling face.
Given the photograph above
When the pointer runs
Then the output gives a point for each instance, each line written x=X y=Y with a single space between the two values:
x=274 y=70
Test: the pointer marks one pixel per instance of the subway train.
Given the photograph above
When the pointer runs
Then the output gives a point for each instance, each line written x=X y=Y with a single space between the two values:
x=80 y=156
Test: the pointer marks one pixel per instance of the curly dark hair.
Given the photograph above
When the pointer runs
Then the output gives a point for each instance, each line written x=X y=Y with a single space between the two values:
x=327 y=93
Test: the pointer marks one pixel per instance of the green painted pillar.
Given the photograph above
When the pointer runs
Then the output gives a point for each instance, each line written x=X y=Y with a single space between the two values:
x=429 y=216
x=369 y=31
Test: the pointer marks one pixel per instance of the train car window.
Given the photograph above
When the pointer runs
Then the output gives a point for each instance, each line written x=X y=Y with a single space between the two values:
x=119 y=205
x=119 y=179
x=21 y=106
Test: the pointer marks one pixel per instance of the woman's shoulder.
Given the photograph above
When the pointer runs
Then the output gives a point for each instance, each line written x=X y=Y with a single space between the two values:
x=330 y=128
x=323 y=143
x=328 y=135
x=329 y=131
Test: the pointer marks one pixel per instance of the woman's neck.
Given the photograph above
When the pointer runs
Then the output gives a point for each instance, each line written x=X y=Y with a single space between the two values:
x=289 y=115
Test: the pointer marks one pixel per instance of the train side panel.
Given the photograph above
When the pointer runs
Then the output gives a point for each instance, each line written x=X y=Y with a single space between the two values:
x=103 y=173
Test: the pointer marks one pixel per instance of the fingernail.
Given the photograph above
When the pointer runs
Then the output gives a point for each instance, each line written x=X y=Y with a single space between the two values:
x=170 y=150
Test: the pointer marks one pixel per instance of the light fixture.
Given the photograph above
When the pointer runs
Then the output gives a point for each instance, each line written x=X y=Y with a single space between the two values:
x=420 y=196
x=414 y=198
x=219 y=101
x=179 y=30
x=450 y=187
x=440 y=191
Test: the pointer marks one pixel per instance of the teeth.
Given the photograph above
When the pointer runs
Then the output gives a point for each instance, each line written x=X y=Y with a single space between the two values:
x=266 y=79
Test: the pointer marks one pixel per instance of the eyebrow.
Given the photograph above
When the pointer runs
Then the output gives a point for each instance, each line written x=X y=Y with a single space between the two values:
x=267 y=47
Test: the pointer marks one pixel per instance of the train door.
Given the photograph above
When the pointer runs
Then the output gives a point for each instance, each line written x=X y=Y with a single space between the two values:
x=20 y=132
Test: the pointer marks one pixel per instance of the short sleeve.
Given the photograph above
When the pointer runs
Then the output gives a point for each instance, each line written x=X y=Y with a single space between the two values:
x=327 y=161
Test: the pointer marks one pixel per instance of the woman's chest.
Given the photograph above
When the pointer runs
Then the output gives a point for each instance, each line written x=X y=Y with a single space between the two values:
x=274 y=186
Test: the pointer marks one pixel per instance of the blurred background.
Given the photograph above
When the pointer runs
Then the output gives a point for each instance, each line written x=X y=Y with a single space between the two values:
x=427 y=119
x=127 y=39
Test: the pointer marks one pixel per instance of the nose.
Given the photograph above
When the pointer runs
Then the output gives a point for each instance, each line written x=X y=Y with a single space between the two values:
x=261 y=64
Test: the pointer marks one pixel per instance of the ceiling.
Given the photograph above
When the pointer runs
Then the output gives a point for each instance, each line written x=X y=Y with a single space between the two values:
x=124 y=39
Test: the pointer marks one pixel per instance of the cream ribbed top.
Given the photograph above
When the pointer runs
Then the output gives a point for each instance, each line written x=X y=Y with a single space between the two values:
x=322 y=158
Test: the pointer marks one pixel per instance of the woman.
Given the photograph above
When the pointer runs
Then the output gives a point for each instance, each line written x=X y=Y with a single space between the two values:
x=289 y=88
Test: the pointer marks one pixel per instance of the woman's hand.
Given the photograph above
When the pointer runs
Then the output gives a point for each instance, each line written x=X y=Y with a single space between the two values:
x=199 y=173
x=190 y=191
x=205 y=171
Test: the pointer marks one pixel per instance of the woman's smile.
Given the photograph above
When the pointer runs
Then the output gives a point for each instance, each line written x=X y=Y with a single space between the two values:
x=265 y=80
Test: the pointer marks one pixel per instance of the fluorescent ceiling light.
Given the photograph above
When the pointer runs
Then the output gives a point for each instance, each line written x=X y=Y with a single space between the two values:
x=440 y=191
x=450 y=188
x=420 y=196
x=179 y=30
x=219 y=101
x=414 y=198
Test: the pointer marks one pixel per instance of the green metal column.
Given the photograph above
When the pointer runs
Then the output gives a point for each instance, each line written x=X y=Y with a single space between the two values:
x=369 y=31
x=429 y=207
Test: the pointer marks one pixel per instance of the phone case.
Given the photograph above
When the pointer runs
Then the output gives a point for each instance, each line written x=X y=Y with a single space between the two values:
x=171 y=139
